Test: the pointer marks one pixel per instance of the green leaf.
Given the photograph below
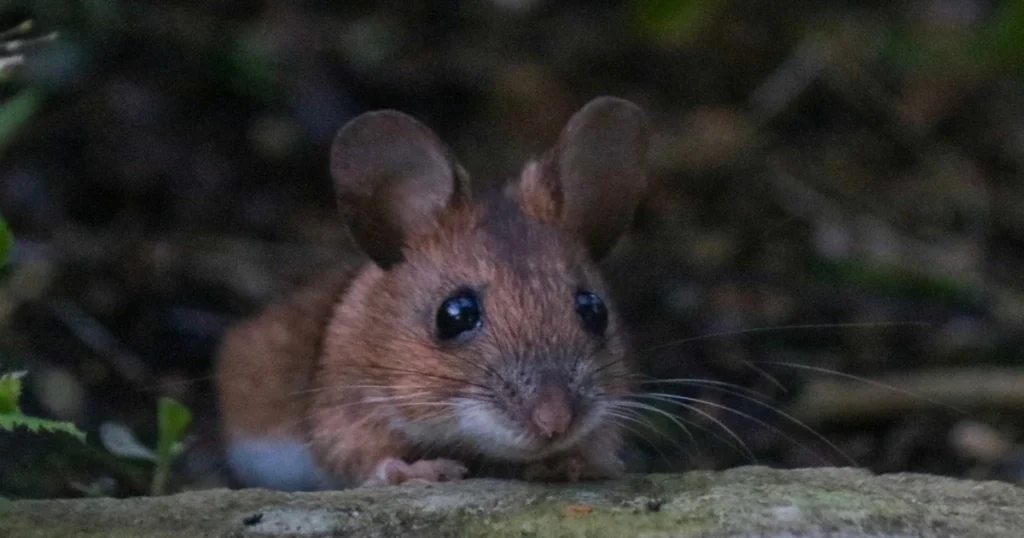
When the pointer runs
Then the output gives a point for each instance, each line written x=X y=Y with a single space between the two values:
x=1003 y=38
x=674 y=22
x=172 y=420
x=11 y=416
x=14 y=420
x=6 y=241
x=15 y=112
x=10 y=393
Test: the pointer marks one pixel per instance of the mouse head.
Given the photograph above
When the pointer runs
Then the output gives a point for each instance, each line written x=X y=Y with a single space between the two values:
x=485 y=322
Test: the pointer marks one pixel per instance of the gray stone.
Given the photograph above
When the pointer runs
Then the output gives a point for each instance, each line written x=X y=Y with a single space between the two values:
x=743 y=502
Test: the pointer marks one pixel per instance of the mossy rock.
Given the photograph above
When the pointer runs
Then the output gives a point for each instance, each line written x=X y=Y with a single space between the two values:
x=744 y=502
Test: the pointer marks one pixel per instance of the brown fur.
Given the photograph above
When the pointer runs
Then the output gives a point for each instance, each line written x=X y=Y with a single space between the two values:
x=537 y=199
x=266 y=363
x=351 y=364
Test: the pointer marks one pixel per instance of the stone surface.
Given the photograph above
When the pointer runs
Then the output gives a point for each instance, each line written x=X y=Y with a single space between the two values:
x=744 y=502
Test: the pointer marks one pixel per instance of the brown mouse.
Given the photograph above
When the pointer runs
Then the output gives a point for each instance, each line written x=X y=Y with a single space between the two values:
x=470 y=332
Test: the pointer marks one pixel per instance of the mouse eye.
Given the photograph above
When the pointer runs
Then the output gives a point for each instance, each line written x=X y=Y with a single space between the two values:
x=592 y=311
x=458 y=314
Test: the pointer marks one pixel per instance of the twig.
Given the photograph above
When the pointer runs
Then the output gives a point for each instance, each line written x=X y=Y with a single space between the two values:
x=17 y=45
x=8 y=63
x=254 y=271
x=101 y=341
x=791 y=79
x=828 y=401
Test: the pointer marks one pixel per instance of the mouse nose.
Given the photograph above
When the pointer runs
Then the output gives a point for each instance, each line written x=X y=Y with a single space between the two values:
x=552 y=411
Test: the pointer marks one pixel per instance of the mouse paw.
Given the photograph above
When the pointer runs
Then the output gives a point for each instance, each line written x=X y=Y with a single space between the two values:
x=394 y=471
x=573 y=468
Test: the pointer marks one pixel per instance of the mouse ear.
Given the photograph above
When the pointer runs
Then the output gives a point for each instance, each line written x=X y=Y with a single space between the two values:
x=392 y=177
x=593 y=179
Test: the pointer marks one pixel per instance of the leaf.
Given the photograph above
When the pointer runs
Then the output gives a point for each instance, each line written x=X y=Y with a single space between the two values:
x=15 y=112
x=11 y=421
x=674 y=22
x=10 y=393
x=172 y=420
x=6 y=240
x=119 y=440
x=11 y=416
x=1003 y=38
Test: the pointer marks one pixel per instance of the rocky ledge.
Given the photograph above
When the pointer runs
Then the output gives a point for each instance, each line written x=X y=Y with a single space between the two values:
x=743 y=502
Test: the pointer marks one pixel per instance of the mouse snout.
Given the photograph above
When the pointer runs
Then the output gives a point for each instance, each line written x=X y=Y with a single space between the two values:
x=552 y=411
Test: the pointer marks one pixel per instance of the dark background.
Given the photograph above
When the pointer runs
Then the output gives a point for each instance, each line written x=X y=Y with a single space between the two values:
x=850 y=170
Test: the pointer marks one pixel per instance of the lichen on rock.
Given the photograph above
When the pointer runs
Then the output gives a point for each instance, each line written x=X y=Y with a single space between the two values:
x=740 y=503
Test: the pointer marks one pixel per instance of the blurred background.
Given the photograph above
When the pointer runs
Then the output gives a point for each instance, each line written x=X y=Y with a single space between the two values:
x=836 y=224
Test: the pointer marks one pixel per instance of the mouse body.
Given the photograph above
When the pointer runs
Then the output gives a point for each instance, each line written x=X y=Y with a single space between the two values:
x=469 y=333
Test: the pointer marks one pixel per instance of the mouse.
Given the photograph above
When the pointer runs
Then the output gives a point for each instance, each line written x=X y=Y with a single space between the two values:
x=469 y=331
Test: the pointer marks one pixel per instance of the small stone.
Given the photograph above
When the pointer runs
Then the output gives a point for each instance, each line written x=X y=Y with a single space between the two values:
x=577 y=510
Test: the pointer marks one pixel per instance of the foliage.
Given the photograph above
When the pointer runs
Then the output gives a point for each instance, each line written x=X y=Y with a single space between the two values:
x=6 y=241
x=11 y=416
x=15 y=113
x=672 y=21
x=1004 y=37
x=173 y=419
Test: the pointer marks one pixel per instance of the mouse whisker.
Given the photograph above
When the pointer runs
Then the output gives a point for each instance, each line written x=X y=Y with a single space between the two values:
x=782 y=328
x=355 y=387
x=418 y=404
x=427 y=417
x=582 y=355
x=776 y=411
x=707 y=383
x=607 y=365
x=398 y=398
x=618 y=421
x=677 y=400
x=678 y=421
x=733 y=443
x=418 y=399
x=836 y=373
x=475 y=394
x=743 y=446
x=728 y=442
x=868 y=381
x=455 y=380
x=624 y=417
x=487 y=369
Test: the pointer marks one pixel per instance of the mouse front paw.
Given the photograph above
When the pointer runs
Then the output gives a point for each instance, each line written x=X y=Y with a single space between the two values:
x=393 y=471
